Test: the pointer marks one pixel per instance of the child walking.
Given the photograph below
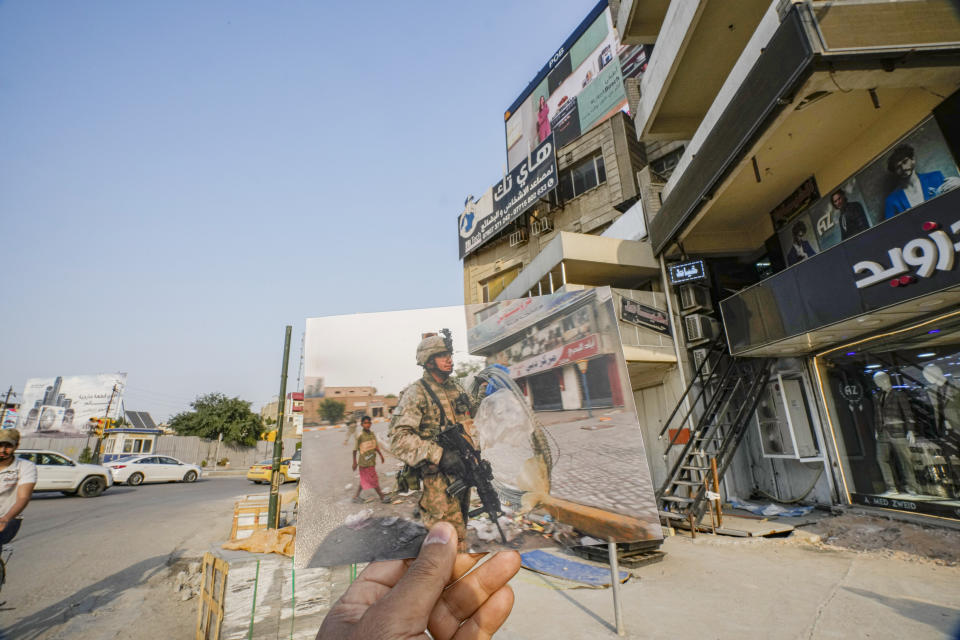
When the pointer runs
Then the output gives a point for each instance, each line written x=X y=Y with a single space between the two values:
x=368 y=448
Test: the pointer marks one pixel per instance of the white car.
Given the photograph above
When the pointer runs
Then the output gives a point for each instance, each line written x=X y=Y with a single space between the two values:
x=57 y=472
x=293 y=467
x=134 y=470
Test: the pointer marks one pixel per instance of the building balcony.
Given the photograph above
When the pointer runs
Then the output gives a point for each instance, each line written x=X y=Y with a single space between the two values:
x=698 y=43
x=573 y=260
x=903 y=269
x=639 y=21
x=826 y=90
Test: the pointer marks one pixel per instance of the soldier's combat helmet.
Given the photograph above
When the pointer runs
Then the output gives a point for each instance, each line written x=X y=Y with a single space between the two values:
x=429 y=346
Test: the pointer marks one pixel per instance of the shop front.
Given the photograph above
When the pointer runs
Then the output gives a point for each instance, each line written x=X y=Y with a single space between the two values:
x=875 y=323
x=563 y=359
x=894 y=408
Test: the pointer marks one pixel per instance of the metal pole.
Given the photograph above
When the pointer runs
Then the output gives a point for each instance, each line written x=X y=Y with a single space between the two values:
x=615 y=581
x=3 y=412
x=273 y=515
x=586 y=393
x=106 y=423
x=216 y=451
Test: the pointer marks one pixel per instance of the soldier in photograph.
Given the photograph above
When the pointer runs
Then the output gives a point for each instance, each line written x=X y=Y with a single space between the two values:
x=434 y=401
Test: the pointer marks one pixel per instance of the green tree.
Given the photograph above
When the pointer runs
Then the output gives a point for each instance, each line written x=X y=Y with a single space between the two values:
x=215 y=413
x=332 y=410
x=466 y=369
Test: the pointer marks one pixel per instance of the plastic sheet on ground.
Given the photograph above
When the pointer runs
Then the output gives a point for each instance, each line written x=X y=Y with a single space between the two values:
x=568 y=569
x=771 y=509
x=280 y=541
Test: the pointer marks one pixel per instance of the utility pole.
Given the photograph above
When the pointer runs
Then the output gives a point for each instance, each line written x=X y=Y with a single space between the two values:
x=106 y=421
x=273 y=514
x=3 y=412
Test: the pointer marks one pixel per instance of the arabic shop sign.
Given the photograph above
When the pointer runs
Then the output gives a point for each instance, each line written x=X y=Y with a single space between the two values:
x=907 y=257
x=920 y=257
x=640 y=314
x=519 y=190
x=515 y=315
x=577 y=350
x=687 y=272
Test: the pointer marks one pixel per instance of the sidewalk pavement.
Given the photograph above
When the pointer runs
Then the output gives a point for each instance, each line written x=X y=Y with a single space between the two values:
x=708 y=587
x=743 y=588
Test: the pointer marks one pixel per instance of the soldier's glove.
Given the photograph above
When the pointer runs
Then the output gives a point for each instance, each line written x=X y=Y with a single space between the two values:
x=452 y=465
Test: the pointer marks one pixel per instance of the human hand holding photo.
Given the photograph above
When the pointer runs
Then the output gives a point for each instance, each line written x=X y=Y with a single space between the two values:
x=398 y=599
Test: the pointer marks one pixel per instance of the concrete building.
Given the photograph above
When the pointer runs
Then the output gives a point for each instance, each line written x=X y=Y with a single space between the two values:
x=292 y=414
x=785 y=215
x=813 y=192
x=357 y=401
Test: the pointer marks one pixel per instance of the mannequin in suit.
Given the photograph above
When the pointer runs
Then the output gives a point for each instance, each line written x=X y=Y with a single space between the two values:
x=944 y=398
x=893 y=426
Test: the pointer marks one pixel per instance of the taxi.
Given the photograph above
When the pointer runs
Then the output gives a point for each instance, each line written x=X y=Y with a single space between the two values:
x=260 y=471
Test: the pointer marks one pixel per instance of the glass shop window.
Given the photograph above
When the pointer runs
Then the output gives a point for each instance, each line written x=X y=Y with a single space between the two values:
x=896 y=404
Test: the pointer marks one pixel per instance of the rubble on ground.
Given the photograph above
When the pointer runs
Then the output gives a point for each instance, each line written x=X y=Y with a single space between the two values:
x=868 y=533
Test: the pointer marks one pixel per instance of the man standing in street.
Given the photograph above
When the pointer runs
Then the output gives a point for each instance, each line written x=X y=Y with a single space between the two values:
x=425 y=407
x=17 y=479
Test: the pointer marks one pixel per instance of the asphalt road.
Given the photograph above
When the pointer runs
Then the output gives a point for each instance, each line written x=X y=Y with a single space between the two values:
x=99 y=567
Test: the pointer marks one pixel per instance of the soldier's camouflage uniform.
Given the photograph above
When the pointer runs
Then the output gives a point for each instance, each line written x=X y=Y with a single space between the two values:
x=414 y=426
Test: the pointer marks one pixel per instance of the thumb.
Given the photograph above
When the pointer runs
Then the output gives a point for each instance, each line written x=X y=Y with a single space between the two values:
x=410 y=602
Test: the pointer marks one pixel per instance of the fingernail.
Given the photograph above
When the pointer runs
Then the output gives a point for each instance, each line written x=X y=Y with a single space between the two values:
x=439 y=534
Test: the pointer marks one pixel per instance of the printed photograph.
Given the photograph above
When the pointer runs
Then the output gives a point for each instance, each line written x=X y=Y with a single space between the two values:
x=798 y=239
x=512 y=420
x=916 y=169
x=840 y=215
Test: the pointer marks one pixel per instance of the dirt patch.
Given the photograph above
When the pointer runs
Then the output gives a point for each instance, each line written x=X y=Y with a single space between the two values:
x=877 y=534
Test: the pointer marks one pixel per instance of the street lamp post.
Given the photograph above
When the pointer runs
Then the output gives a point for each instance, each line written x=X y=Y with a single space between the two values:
x=582 y=366
x=273 y=510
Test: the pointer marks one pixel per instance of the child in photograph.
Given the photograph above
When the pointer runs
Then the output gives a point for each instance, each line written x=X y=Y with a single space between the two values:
x=365 y=458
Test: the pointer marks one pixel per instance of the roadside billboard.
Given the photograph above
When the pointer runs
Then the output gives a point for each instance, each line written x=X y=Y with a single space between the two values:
x=62 y=405
x=579 y=87
x=519 y=190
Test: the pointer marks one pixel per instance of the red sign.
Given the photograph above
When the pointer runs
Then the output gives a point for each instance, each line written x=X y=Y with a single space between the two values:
x=577 y=350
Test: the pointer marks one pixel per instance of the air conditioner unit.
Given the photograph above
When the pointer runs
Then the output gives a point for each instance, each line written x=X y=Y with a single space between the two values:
x=539 y=227
x=518 y=237
x=701 y=328
x=701 y=354
x=693 y=297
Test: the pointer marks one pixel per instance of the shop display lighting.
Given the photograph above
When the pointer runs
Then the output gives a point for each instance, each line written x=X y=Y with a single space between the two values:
x=929 y=354
x=874 y=366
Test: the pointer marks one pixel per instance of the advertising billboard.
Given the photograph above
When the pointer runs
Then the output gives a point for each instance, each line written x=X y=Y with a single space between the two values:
x=62 y=405
x=916 y=168
x=580 y=86
x=519 y=190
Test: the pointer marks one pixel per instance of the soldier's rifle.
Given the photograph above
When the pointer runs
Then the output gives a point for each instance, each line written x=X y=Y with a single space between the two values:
x=477 y=473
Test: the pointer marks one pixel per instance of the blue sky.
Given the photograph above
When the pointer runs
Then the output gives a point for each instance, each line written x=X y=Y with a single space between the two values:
x=179 y=180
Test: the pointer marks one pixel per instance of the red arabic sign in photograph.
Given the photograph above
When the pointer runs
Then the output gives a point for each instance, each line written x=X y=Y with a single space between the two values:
x=577 y=350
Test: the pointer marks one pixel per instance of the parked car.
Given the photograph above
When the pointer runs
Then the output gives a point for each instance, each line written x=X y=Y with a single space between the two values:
x=260 y=472
x=293 y=467
x=135 y=470
x=57 y=472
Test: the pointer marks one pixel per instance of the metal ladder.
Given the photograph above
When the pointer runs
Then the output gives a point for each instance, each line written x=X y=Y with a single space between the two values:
x=723 y=396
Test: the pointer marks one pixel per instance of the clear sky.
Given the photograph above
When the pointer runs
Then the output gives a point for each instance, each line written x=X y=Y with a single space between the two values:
x=181 y=179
